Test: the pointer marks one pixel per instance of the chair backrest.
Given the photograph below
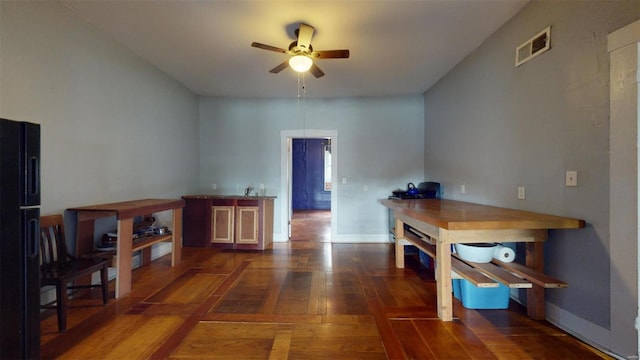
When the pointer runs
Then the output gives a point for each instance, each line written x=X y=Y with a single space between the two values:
x=53 y=249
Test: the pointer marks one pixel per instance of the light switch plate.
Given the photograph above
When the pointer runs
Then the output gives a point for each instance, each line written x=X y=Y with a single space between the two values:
x=571 y=178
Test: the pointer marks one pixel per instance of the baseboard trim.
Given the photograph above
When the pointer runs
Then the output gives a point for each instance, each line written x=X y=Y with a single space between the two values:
x=582 y=329
x=345 y=238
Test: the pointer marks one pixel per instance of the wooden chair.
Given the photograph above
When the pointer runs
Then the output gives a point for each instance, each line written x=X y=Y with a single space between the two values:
x=59 y=268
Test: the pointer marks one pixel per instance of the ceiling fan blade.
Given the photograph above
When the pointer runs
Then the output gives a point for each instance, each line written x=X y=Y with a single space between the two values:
x=331 y=54
x=282 y=66
x=305 y=32
x=268 y=47
x=315 y=71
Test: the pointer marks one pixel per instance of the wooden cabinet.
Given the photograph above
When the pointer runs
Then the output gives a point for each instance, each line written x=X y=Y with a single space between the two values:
x=236 y=222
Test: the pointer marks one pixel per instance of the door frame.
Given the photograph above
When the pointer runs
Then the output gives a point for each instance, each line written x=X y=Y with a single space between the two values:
x=286 y=142
x=624 y=194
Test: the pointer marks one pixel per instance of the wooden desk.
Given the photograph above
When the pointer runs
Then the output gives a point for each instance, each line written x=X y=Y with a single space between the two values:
x=125 y=213
x=448 y=222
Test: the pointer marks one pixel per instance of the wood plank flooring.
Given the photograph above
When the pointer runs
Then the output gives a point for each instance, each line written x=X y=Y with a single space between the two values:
x=311 y=225
x=298 y=300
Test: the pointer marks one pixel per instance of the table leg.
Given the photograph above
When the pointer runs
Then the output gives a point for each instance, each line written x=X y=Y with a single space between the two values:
x=145 y=256
x=176 y=237
x=535 y=260
x=123 y=257
x=443 y=277
x=84 y=237
x=84 y=244
x=399 y=232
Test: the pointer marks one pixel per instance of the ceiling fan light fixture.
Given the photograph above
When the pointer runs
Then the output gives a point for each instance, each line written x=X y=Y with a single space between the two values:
x=301 y=53
x=300 y=63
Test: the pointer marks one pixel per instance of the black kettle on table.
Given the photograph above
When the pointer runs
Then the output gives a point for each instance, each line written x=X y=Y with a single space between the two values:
x=412 y=189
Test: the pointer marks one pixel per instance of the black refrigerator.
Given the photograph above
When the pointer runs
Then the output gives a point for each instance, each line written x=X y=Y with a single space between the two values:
x=19 y=240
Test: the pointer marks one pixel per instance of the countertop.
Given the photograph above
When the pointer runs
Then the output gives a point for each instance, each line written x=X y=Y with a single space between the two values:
x=128 y=209
x=233 y=197
x=458 y=215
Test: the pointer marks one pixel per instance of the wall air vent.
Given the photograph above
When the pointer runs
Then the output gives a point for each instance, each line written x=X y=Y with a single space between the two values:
x=533 y=47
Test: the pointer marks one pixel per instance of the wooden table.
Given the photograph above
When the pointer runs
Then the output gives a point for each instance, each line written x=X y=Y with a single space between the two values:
x=125 y=212
x=449 y=221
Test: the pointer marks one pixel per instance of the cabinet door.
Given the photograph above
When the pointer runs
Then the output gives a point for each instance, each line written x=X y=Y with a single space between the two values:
x=247 y=225
x=222 y=224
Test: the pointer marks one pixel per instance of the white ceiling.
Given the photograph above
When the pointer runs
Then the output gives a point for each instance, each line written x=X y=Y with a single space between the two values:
x=397 y=46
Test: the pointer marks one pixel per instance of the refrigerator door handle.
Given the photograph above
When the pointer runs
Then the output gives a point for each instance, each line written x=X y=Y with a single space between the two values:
x=34 y=176
x=33 y=236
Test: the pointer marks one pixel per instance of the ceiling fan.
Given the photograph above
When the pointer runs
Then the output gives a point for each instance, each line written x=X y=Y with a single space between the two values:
x=302 y=53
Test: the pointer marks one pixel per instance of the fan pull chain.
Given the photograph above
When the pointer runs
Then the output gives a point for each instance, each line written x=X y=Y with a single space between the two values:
x=302 y=94
x=304 y=107
x=298 y=112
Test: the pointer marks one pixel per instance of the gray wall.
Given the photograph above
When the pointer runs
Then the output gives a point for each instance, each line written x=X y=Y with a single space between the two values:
x=493 y=127
x=114 y=128
x=380 y=145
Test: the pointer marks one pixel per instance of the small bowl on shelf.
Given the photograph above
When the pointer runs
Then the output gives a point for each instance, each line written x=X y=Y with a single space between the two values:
x=476 y=252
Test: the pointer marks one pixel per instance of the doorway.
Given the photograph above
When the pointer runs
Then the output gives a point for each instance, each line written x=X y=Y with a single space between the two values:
x=311 y=189
x=316 y=222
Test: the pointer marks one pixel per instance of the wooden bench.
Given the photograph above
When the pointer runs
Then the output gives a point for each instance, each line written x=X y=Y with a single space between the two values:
x=450 y=221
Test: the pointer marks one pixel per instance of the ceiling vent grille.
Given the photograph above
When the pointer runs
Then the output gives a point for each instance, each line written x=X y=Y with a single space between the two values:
x=533 y=47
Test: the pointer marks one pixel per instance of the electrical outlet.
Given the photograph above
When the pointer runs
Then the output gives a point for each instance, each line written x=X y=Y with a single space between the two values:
x=571 y=178
x=521 y=193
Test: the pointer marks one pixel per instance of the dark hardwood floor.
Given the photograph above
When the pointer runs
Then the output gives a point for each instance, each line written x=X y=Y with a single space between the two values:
x=311 y=225
x=305 y=299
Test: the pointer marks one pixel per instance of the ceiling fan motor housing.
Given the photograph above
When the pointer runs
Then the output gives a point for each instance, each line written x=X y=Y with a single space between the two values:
x=293 y=47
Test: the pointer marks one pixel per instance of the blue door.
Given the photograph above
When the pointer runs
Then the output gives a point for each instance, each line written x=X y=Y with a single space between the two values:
x=308 y=185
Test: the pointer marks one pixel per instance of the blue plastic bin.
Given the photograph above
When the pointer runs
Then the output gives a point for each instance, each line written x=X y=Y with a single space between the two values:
x=474 y=297
x=410 y=250
x=424 y=258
